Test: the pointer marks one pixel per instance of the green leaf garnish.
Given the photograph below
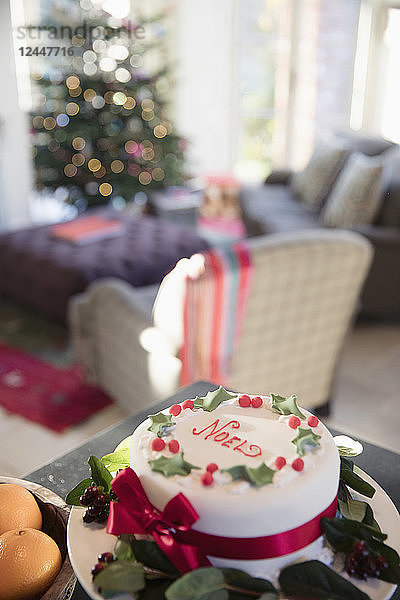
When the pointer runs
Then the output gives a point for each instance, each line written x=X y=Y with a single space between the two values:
x=74 y=495
x=172 y=466
x=213 y=399
x=100 y=474
x=244 y=581
x=116 y=460
x=286 y=406
x=313 y=579
x=123 y=547
x=259 y=476
x=160 y=424
x=354 y=481
x=121 y=576
x=148 y=553
x=343 y=533
x=353 y=509
x=202 y=584
x=305 y=437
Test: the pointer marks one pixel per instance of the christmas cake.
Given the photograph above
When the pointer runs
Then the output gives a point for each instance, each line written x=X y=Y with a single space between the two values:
x=256 y=474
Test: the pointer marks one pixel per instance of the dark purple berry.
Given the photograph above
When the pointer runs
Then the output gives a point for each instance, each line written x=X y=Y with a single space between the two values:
x=91 y=491
x=97 y=568
x=85 y=500
x=102 y=516
x=360 y=548
x=93 y=511
x=100 y=500
x=87 y=518
x=106 y=557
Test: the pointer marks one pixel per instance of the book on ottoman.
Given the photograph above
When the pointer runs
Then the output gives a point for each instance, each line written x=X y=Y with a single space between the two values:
x=86 y=230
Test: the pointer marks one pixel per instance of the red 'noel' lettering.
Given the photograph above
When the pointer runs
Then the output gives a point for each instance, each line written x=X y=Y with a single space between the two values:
x=257 y=449
x=220 y=437
x=214 y=430
x=229 y=442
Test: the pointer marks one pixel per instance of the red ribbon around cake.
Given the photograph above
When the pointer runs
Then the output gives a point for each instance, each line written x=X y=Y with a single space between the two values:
x=187 y=548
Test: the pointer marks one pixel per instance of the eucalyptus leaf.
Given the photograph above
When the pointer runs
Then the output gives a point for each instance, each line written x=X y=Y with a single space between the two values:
x=73 y=496
x=123 y=549
x=206 y=583
x=148 y=553
x=240 y=579
x=353 y=509
x=369 y=518
x=100 y=474
x=355 y=482
x=213 y=399
x=121 y=576
x=315 y=580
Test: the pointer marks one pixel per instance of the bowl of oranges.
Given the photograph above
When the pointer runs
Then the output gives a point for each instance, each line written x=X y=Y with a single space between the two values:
x=34 y=561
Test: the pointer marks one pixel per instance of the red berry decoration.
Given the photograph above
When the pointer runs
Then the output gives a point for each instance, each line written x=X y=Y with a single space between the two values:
x=212 y=467
x=157 y=444
x=312 y=421
x=106 y=557
x=244 y=401
x=294 y=422
x=256 y=402
x=175 y=410
x=173 y=446
x=298 y=464
x=188 y=404
x=207 y=478
x=280 y=462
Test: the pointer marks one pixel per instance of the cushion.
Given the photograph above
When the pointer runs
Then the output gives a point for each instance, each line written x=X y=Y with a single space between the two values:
x=312 y=185
x=357 y=194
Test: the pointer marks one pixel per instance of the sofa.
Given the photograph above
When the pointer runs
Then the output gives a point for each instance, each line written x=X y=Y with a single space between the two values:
x=277 y=206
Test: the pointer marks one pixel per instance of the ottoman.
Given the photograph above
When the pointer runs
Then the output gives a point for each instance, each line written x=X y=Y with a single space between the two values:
x=43 y=272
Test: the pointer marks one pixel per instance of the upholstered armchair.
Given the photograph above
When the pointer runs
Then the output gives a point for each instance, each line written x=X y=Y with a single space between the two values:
x=305 y=290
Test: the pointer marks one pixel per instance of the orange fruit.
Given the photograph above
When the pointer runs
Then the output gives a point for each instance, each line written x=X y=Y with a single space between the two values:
x=18 y=508
x=29 y=563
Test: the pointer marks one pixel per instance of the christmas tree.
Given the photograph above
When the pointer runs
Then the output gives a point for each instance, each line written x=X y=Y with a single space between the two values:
x=102 y=131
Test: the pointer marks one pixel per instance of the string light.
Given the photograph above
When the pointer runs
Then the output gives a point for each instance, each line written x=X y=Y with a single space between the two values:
x=62 y=120
x=105 y=189
x=78 y=143
x=100 y=173
x=94 y=164
x=117 y=166
x=130 y=103
x=72 y=109
x=89 y=94
x=70 y=170
x=122 y=75
x=37 y=122
x=119 y=98
x=78 y=159
x=158 y=174
x=148 y=154
x=147 y=115
x=72 y=82
x=160 y=131
x=109 y=97
x=131 y=147
x=49 y=123
x=98 y=102
x=75 y=92
x=144 y=177
x=107 y=64
x=89 y=69
x=147 y=104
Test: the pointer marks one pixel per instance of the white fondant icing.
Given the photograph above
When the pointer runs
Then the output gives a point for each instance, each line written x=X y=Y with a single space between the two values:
x=239 y=509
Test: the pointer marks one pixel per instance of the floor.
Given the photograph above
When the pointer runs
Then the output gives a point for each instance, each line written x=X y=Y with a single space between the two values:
x=366 y=405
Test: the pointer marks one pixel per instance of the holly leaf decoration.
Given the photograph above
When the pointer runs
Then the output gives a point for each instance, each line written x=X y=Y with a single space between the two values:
x=259 y=476
x=239 y=579
x=213 y=399
x=305 y=437
x=286 y=406
x=206 y=583
x=116 y=460
x=160 y=424
x=121 y=576
x=313 y=579
x=149 y=554
x=176 y=465
x=123 y=549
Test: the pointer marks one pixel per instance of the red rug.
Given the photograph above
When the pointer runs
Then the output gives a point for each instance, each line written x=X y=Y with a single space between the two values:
x=55 y=398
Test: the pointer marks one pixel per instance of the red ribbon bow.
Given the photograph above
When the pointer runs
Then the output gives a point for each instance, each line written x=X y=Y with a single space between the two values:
x=134 y=513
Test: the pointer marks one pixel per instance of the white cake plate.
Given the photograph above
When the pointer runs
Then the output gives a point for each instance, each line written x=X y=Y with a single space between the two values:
x=85 y=542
